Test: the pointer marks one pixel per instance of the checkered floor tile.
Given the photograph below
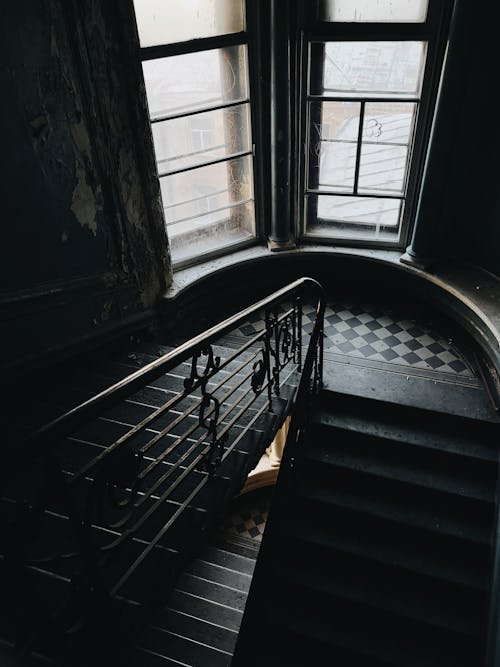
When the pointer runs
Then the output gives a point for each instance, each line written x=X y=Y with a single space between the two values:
x=373 y=332
x=248 y=515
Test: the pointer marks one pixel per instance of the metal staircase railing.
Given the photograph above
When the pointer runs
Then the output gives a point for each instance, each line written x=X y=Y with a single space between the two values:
x=92 y=528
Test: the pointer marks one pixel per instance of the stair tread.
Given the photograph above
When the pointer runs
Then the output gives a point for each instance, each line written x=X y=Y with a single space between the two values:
x=220 y=556
x=242 y=547
x=403 y=389
x=178 y=647
x=437 y=434
x=401 y=548
x=219 y=574
x=205 y=609
x=213 y=591
x=434 y=469
x=343 y=626
x=185 y=624
x=449 y=520
x=380 y=587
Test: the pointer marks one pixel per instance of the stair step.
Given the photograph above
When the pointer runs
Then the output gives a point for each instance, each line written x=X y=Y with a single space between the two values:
x=219 y=574
x=240 y=546
x=183 y=649
x=374 y=633
x=351 y=379
x=200 y=607
x=143 y=657
x=408 y=548
x=185 y=624
x=379 y=586
x=434 y=469
x=410 y=427
x=395 y=501
x=212 y=591
x=219 y=556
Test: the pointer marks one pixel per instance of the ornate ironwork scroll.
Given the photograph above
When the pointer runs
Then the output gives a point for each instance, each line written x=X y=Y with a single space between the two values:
x=211 y=365
x=260 y=371
x=284 y=340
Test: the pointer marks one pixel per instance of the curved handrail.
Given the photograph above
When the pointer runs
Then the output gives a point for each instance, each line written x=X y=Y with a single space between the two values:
x=85 y=506
x=71 y=420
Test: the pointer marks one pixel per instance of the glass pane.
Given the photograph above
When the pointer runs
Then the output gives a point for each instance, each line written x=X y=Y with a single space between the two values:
x=199 y=138
x=207 y=233
x=170 y=21
x=360 y=210
x=343 y=218
x=201 y=196
x=179 y=84
x=387 y=131
x=363 y=11
x=383 y=69
x=333 y=145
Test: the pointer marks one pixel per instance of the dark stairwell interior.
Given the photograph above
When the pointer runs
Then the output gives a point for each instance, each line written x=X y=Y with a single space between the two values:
x=381 y=545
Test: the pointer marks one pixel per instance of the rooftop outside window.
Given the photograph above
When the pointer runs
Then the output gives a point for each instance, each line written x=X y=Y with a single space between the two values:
x=371 y=82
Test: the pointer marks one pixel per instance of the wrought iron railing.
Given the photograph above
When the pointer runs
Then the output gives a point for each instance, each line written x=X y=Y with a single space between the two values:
x=91 y=525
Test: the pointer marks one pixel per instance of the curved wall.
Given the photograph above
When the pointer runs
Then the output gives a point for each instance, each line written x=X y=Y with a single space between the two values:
x=203 y=296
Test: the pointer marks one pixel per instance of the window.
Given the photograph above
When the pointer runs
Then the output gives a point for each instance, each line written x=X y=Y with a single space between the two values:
x=371 y=79
x=199 y=105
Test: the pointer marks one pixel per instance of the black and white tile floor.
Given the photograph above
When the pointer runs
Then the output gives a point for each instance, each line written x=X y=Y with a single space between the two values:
x=368 y=331
x=248 y=515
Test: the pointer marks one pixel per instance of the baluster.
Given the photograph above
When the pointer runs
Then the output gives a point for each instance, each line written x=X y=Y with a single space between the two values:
x=276 y=352
x=267 y=352
x=298 y=306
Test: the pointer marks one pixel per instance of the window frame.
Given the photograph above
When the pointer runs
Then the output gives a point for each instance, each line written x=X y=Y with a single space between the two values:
x=434 y=32
x=244 y=38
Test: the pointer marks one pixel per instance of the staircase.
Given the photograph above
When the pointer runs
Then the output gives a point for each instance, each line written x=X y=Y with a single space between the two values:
x=104 y=507
x=378 y=546
x=199 y=625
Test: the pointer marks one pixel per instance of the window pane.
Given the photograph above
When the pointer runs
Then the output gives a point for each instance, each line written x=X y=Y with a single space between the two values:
x=387 y=11
x=354 y=218
x=202 y=190
x=333 y=145
x=170 y=21
x=212 y=203
x=179 y=84
x=196 y=139
x=383 y=69
x=360 y=210
x=387 y=131
x=208 y=232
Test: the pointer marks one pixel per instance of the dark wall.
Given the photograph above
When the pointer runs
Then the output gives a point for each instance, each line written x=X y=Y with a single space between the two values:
x=472 y=206
x=83 y=249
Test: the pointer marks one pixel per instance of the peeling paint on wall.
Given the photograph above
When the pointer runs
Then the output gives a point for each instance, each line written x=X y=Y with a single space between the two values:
x=83 y=218
x=83 y=203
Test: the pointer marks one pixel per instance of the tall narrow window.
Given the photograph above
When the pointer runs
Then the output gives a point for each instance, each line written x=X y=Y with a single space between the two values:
x=369 y=93
x=195 y=65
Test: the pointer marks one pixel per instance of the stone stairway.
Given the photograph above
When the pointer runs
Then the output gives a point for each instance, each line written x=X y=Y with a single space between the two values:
x=178 y=509
x=200 y=623
x=378 y=544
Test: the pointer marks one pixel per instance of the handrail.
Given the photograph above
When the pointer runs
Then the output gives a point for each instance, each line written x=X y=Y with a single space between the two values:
x=78 y=415
x=311 y=381
x=123 y=487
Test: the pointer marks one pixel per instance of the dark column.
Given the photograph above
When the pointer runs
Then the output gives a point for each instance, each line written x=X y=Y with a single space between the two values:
x=427 y=232
x=280 y=237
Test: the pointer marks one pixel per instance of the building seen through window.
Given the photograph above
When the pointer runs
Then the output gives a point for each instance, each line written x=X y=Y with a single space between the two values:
x=363 y=116
x=370 y=87
x=368 y=76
